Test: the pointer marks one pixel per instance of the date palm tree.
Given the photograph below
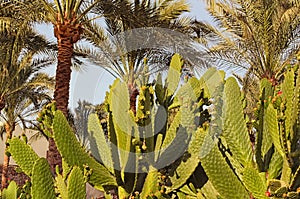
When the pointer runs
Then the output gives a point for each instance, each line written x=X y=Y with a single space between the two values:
x=122 y=17
x=67 y=17
x=23 y=90
x=16 y=37
x=260 y=36
x=13 y=14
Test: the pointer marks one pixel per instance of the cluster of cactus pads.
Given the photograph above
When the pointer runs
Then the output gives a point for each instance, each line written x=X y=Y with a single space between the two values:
x=186 y=140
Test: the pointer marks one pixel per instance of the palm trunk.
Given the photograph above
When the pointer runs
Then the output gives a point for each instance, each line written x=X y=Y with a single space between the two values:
x=61 y=93
x=53 y=156
x=67 y=34
x=9 y=128
x=63 y=74
x=2 y=103
x=133 y=93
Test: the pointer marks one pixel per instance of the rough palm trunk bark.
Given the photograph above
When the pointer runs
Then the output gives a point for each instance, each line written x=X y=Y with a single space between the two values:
x=67 y=33
x=133 y=93
x=9 y=128
x=2 y=103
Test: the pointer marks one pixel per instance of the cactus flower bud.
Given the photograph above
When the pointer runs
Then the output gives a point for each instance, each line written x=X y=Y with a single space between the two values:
x=268 y=194
x=144 y=147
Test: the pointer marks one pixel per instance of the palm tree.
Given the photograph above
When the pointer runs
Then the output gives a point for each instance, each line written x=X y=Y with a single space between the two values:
x=123 y=17
x=67 y=17
x=260 y=36
x=16 y=37
x=23 y=90
x=82 y=112
x=20 y=111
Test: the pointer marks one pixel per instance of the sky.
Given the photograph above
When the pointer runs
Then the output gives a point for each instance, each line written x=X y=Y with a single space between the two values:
x=92 y=82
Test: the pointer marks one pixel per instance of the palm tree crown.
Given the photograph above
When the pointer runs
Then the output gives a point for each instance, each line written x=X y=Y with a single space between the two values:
x=123 y=48
x=260 y=36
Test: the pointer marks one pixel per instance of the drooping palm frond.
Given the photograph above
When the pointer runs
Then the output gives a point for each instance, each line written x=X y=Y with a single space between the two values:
x=13 y=12
x=139 y=30
x=26 y=98
x=171 y=10
x=259 y=36
x=23 y=53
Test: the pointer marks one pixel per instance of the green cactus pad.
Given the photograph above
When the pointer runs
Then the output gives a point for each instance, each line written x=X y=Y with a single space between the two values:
x=210 y=81
x=42 y=181
x=288 y=97
x=272 y=128
x=74 y=154
x=174 y=74
x=254 y=183
x=123 y=120
x=159 y=90
x=219 y=172
x=61 y=186
x=99 y=147
x=11 y=191
x=23 y=154
x=76 y=184
x=171 y=132
x=182 y=173
x=235 y=129
x=186 y=190
x=150 y=185
x=275 y=165
x=208 y=191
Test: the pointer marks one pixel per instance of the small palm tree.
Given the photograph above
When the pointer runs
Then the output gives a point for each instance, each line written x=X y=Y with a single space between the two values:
x=22 y=89
x=82 y=112
x=20 y=111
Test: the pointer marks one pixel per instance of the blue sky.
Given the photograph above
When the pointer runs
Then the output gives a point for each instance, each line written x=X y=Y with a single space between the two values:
x=92 y=82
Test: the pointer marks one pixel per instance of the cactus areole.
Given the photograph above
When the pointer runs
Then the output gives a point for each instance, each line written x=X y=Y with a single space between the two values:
x=67 y=32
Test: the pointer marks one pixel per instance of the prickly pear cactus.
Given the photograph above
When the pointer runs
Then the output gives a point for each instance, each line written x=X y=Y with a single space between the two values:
x=42 y=181
x=23 y=154
x=10 y=192
x=137 y=143
x=76 y=184
x=70 y=185
x=45 y=118
x=202 y=120
x=75 y=155
x=267 y=166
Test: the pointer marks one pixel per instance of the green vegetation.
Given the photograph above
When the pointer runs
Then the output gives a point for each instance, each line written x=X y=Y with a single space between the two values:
x=159 y=135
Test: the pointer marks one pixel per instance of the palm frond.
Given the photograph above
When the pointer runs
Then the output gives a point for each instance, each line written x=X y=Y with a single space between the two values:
x=255 y=34
x=173 y=9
